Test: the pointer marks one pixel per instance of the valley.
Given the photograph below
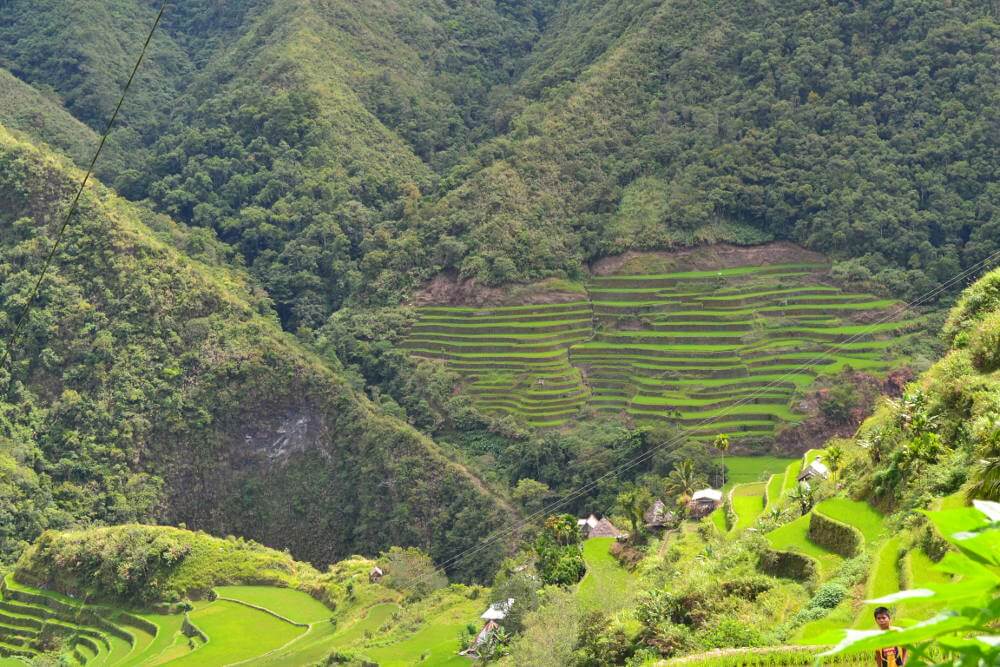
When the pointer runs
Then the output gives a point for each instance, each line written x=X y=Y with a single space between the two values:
x=523 y=333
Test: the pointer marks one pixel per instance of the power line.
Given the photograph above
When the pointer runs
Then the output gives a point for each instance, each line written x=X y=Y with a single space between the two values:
x=644 y=456
x=8 y=351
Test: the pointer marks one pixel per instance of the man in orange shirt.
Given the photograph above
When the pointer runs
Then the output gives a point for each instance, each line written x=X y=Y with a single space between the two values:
x=893 y=656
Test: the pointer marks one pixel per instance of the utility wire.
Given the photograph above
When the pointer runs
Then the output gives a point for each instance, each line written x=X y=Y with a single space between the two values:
x=8 y=351
x=644 y=456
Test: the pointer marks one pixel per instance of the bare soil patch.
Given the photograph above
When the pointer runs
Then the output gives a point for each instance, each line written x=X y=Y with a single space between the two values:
x=449 y=290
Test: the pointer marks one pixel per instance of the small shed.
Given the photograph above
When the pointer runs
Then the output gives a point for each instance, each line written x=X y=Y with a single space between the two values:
x=587 y=525
x=496 y=612
x=816 y=468
x=375 y=575
x=658 y=517
x=704 y=502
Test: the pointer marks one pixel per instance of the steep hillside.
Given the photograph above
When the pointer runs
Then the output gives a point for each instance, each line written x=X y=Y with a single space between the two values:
x=654 y=123
x=350 y=155
x=147 y=384
x=24 y=109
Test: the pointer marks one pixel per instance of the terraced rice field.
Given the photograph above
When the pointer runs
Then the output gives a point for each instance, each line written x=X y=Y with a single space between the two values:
x=713 y=351
x=854 y=513
x=513 y=359
x=246 y=624
x=794 y=536
x=32 y=620
x=606 y=585
x=750 y=469
x=748 y=503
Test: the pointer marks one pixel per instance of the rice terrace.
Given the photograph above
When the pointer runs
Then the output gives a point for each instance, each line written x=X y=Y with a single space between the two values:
x=724 y=347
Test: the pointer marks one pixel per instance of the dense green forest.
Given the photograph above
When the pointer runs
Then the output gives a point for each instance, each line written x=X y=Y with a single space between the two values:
x=351 y=154
x=150 y=385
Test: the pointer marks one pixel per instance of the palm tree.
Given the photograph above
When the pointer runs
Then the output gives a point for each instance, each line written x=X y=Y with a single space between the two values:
x=722 y=444
x=633 y=502
x=682 y=482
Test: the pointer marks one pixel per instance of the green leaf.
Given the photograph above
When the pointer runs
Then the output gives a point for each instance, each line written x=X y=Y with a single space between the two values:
x=942 y=624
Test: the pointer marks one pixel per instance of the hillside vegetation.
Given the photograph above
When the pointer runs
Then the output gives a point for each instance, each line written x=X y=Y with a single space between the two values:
x=783 y=564
x=143 y=595
x=388 y=276
x=150 y=385
x=350 y=154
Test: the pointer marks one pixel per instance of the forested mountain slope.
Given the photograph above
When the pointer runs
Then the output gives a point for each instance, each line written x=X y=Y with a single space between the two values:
x=352 y=152
x=864 y=131
x=148 y=385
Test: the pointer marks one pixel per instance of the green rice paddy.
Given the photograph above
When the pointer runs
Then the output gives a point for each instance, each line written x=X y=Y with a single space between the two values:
x=794 y=536
x=246 y=625
x=854 y=513
x=606 y=585
x=749 y=469
x=712 y=351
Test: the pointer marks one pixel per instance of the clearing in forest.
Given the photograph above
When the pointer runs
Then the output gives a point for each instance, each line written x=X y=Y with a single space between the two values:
x=715 y=351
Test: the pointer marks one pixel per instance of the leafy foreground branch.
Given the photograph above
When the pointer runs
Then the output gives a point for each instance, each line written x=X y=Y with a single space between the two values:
x=966 y=628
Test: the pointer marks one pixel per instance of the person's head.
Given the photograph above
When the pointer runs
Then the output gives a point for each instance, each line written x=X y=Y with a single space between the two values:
x=883 y=618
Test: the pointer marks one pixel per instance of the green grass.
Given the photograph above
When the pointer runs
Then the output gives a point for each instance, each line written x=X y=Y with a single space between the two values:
x=920 y=571
x=168 y=635
x=773 y=489
x=839 y=617
x=435 y=643
x=794 y=536
x=855 y=513
x=228 y=626
x=883 y=579
x=748 y=504
x=606 y=585
x=790 y=480
x=294 y=605
x=718 y=519
x=746 y=469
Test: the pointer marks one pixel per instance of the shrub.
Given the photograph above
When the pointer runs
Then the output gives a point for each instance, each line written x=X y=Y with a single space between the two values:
x=982 y=297
x=730 y=633
x=602 y=644
x=747 y=588
x=829 y=596
x=984 y=344
x=670 y=638
x=788 y=564
x=626 y=554
x=411 y=571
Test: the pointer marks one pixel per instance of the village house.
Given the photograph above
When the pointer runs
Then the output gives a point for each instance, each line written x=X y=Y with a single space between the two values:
x=594 y=527
x=658 y=517
x=704 y=502
x=815 y=469
x=375 y=575
x=492 y=617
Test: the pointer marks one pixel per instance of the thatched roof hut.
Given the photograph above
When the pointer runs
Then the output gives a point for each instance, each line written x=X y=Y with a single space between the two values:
x=658 y=516
x=605 y=528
